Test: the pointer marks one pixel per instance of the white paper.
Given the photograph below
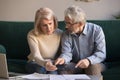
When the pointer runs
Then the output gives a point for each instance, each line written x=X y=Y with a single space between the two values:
x=56 y=77
x=70 y=77
x=35 y=76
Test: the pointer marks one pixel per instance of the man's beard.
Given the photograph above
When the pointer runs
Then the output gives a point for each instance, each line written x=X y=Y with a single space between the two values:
x=70 y=31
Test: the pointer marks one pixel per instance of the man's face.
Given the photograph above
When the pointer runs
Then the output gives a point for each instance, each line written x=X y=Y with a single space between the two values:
x=47 y=26
x=71 y=26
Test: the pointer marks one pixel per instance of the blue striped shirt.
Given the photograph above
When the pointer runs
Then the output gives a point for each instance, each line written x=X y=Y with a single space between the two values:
x=89 y=44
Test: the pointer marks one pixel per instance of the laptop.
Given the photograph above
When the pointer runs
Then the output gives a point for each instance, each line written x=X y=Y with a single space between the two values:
x=4 y=69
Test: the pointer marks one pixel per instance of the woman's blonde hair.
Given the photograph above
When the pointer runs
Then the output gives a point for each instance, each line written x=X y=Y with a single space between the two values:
x=43 y=13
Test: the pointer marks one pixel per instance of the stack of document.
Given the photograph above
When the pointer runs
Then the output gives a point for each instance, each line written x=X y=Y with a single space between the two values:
x=37 y=76
x=69 y=77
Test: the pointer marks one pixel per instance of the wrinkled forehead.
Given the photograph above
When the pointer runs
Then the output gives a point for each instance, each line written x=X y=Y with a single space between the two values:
x=68 y=19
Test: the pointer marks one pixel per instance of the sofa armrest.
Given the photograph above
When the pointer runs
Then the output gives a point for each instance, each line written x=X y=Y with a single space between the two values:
x=2 y=49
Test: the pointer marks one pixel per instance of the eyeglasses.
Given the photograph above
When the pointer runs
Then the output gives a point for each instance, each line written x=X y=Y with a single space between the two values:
x=70 y=24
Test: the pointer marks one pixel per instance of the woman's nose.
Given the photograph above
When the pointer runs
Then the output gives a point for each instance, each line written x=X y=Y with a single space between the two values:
x=48 y=27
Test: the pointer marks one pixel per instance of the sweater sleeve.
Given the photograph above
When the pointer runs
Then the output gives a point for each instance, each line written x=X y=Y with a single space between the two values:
x=35 y=54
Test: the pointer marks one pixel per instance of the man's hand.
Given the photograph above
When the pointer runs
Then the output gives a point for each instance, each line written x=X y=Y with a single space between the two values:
x=84 y=63
x=50 y=67
x=60 y=61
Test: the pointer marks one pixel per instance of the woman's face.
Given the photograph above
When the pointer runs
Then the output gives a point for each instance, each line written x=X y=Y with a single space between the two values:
x=47 y=26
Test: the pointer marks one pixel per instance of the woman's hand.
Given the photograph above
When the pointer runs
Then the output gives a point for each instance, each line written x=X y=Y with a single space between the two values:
x=59 y=61
x=50 y=67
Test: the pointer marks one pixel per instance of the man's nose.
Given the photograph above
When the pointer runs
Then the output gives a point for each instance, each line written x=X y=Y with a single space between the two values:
x=66 y=26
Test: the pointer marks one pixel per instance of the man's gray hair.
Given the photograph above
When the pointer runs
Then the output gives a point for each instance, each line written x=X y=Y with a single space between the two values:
x=75 y=13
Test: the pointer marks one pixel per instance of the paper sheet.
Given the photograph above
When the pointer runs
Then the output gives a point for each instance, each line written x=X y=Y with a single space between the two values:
x=69 y=77
x=35 y=76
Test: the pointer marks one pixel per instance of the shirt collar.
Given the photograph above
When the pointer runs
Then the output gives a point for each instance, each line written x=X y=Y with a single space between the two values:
x=85 y=30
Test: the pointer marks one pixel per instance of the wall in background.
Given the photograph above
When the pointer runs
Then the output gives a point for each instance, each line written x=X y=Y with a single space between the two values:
x=24 y=10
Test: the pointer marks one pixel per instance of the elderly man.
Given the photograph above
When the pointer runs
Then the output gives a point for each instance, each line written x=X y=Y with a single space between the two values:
x=83 y=45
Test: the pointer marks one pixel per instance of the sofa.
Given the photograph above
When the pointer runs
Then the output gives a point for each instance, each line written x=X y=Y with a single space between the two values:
x=13 y=43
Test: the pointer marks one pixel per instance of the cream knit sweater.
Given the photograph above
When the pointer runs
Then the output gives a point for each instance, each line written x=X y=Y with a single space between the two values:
x=43 y=47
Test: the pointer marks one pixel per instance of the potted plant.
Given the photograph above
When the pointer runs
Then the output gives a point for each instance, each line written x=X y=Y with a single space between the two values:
x=117 y=16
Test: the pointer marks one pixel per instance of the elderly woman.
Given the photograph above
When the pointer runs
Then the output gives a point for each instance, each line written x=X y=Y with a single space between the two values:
x=44 y=42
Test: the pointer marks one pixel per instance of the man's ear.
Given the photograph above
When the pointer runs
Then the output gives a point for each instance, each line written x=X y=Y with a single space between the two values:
x=81 y=24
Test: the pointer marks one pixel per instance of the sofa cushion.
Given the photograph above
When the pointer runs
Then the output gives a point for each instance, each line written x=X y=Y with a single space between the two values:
x=112 y=77
x=2 y=49
x=112 y=70
x=15 y=65
x=13 y=35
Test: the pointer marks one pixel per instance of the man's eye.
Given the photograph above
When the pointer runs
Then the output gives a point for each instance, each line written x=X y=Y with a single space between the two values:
x=67 y=23
x=50 y=23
